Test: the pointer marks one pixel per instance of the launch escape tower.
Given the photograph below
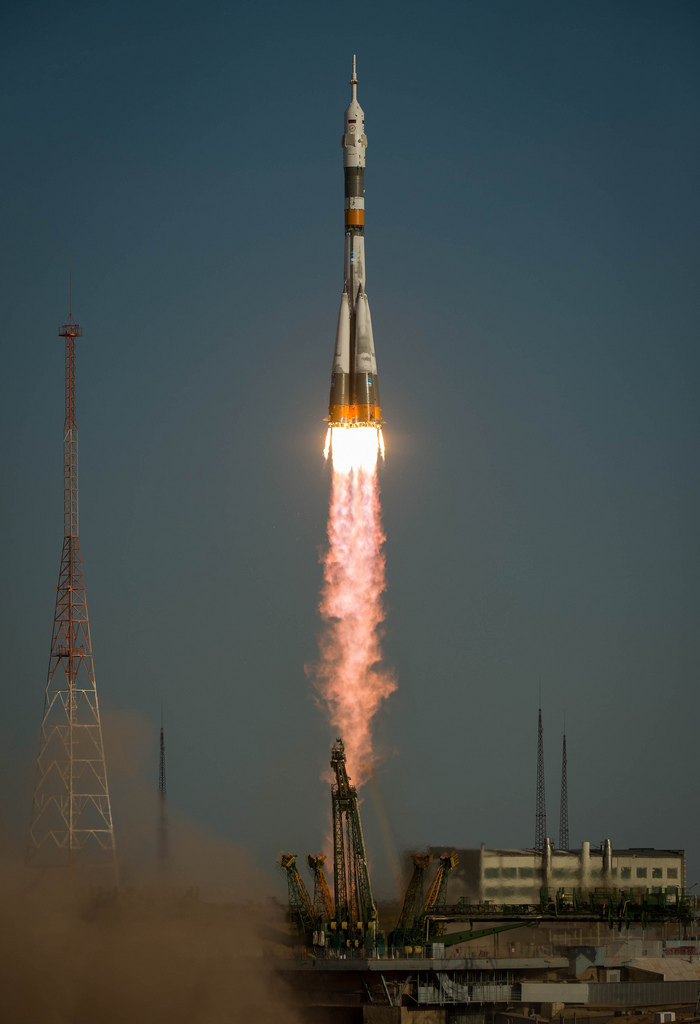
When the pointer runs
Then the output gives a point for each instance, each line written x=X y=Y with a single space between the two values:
x=564 y=805
x=540 y=811
x=162 y=851
x=71 y=824
x=354 y=904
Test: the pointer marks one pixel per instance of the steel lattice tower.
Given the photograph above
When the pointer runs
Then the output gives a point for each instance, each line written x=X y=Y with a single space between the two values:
x=163 y=818
x=564 y=806
x=71 y=825
x=353 y=889
x=540 y=811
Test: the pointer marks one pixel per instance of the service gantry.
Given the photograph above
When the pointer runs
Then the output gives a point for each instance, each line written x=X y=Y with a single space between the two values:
x=409 y=925
x=355 y=910
x=436 y=900
x=71 y=824
x=323 y=900
x=301 y=909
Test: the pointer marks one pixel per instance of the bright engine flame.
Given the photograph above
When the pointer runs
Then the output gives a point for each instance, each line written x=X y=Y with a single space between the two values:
x=354 y=448
x=349 y=678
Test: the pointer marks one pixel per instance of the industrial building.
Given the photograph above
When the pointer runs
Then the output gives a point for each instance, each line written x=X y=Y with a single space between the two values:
x=517 y=876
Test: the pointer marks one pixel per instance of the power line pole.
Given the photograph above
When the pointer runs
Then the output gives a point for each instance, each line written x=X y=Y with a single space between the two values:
x=71 y=825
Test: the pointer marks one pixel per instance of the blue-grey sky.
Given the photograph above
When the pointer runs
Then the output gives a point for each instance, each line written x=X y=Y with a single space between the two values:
x=532 y=263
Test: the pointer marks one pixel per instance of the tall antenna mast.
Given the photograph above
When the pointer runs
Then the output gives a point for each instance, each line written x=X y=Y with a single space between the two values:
x=564 y=806
x=540 y=811
x=71 y=825
x=163 y=815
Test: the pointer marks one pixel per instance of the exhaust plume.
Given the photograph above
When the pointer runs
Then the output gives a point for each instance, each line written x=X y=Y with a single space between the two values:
x=348 y=677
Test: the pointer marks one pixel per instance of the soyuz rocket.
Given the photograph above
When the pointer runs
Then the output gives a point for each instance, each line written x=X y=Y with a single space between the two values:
x=354 y=397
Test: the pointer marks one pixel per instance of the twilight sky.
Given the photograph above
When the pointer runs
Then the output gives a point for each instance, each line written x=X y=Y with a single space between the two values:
x=532 y=262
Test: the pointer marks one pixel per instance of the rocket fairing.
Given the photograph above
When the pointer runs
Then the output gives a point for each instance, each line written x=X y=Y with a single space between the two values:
x=354 y=397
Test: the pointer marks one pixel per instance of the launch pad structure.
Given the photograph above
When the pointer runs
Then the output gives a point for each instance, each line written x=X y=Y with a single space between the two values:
x=449 y=958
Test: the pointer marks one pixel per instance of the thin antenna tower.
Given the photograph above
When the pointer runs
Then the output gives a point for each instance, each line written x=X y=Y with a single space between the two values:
x=71 y=824
x=564 y=806
x=540 y=812
x=163 y=818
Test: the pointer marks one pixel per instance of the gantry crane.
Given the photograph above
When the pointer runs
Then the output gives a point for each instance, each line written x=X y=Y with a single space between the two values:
x=355 y=911
x=323 y=901
x=301 y=910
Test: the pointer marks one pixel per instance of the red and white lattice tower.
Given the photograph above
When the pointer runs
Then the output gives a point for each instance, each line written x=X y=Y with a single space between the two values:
x=71 y=826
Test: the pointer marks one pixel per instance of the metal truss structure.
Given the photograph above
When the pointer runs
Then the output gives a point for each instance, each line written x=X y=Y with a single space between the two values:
x=300 y=907
x=564 y=805
x=540 y=811
x=354 y=903
x=411 y=916
x=71 y=825
x=323 y=900
x=436 y=900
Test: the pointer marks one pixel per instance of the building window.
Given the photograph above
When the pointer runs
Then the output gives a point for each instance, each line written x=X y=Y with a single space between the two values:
x=671 y=872
x=625 y=872
x=657 y=888
x=614 y=872
x=641 y=872
x=509 y=872
x=530 y=873
x=490 y=872
x=657 y=873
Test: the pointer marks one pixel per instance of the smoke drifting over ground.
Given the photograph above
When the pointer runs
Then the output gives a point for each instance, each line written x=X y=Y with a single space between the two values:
x=191 y=947
x=66 y=958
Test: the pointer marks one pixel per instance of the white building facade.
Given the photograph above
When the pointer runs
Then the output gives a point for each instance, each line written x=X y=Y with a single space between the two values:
x=517 y=876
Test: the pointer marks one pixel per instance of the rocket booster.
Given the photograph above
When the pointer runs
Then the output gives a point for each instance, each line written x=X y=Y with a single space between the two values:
x=354 y=397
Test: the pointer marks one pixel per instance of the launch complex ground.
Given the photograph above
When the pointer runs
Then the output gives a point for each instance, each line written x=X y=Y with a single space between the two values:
x=450 y=954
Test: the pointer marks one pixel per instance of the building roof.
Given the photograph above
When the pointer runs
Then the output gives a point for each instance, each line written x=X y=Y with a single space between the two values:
x=672 y=968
